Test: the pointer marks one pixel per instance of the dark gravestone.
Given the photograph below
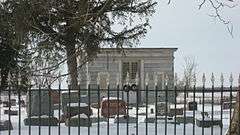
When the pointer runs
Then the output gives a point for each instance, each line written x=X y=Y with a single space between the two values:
x=207 y=121
x=83 y=121
x=73 y=99
x=151 y=111
x=228 y=105
x=161 y=108
x=42 y=121
x=11 y=112
x=41 y=110
x=192 y=106
x=74 y=109
x=13 y=102
x=6 y=125
x=177 y=111
x=45 y=105
x=22 y=103
x=10 y=103
x=6 y=104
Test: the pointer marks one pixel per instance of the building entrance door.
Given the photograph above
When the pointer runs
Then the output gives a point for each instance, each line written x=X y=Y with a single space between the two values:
x=132 y=68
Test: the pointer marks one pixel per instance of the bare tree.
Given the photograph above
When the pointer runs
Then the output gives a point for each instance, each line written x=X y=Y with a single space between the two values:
x=235 y=120
x=190 y=70
x=218 y=6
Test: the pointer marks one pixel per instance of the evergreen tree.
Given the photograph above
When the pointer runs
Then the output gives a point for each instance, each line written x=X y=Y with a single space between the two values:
x=76 y=26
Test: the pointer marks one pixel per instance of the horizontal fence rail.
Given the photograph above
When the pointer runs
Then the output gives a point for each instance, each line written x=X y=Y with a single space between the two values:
x=121 y=111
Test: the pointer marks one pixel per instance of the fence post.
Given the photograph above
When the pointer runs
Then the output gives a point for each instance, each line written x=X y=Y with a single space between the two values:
x=212 y=81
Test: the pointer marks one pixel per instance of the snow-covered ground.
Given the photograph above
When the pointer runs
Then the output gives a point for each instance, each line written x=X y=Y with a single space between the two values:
x=122 y=127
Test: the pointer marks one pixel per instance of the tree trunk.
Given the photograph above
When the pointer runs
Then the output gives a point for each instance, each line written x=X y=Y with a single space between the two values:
x=72 y=65
x=235 y=130
x=4 y=77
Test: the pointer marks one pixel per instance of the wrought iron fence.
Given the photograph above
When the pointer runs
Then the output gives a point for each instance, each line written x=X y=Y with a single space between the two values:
x=131 y=111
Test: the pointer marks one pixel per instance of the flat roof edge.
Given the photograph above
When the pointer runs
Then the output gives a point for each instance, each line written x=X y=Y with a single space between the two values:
x=129 y=48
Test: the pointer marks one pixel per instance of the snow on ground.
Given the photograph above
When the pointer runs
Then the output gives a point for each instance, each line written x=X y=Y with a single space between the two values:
x=122 y=127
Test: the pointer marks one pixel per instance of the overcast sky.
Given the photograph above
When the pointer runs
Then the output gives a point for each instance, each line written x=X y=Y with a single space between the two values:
x=195 y=33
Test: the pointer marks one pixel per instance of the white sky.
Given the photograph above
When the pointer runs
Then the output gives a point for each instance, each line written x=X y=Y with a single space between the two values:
x=195 y=33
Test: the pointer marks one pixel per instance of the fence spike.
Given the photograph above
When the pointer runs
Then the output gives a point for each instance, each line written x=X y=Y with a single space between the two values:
x=19 y=79
x=222 y=79
x=127 y=78
x=155 y=79
x=146 y=79
x=79 y=79
x=59 y=78
x=108 y=79
x=175 y=79
x=239 y=79
x=231 y=79
x=98 y=79
x=166 y=79
x=88 y=78
x=118 y=79
x=137 y=79
x=49 y=79
x=204 y=79
x=213 y=79
x=194 y=79
x=68 y=81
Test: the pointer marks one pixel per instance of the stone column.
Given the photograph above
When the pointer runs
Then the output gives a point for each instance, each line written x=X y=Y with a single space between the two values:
x=120 y=77
x=142 y=82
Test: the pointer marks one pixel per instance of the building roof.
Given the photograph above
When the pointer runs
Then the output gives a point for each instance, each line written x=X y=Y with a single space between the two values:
x=142 y=48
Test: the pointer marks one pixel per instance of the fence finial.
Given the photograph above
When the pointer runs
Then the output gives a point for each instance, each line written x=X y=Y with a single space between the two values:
x=79 y=79
x=175 y=79
x=68 y=81
x=185 y=78
x=166 y=80
x=194 y=80
x=98 y=78
x=222 y=79
x=88 y=78
x=231 y=79
x=155 y=79
x=204 y=79
x=239 y=79
x=59 y=78
x=146 y=79
x=118 y=79
x=137 y=78
x=48 y=79
x=213 y=79
x=19 y=79
x=127 y=78
x=108 y=79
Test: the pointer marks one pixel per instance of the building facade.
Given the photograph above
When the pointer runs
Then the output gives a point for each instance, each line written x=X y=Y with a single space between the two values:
x=141 y=66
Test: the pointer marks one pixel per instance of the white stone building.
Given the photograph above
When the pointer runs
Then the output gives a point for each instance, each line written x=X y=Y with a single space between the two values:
x=112 y=66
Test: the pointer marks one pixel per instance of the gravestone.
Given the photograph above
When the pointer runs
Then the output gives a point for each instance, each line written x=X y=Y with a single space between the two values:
x=6 y=125
x=75 y=109
x=43 y=117
x=75 y=121
x=192 y=106
x=6 y=104
x=13 y=102
x=162 y=108
x=73 y=99
x=177 y=111
x=11 y=112
x=41 y=121
x=36 y=104
x=22 y=103
x=228 y=105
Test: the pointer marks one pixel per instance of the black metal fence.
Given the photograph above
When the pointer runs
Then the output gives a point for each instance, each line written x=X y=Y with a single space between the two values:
x=167 y=111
